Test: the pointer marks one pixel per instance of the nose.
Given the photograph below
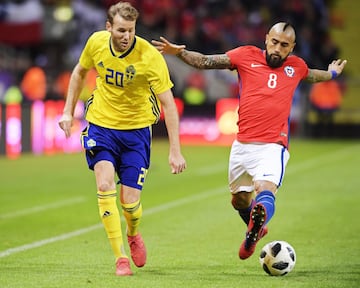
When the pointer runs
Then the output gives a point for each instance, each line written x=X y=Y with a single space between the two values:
x=126 y=35
x=277 y=48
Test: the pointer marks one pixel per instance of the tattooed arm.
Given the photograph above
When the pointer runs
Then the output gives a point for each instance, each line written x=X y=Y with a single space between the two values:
x=335 y=68
x=201 y=61
x=195 y=59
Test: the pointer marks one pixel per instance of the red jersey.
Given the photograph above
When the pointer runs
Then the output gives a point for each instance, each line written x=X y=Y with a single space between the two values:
x=265 y=94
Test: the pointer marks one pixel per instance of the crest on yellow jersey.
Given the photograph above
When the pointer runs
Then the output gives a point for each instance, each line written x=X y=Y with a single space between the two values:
x=130 y=73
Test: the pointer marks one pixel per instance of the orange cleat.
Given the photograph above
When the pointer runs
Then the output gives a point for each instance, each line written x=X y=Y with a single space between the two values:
x=137 y=249
x=123 y=267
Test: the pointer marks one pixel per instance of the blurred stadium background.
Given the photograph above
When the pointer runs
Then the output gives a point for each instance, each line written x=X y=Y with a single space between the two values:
x=41 y=40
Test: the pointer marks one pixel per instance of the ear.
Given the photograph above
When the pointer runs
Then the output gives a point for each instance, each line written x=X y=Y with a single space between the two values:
x=293 y=46
x=266 y=39
x=108 y=26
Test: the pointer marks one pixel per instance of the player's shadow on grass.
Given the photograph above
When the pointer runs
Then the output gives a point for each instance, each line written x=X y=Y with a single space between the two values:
x=211 y=272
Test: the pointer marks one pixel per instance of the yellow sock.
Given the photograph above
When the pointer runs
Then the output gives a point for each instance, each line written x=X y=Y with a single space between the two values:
x=132 y=213
x=110 y=217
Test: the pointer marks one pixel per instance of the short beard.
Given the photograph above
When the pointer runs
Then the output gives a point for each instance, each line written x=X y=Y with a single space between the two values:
x=274 y=63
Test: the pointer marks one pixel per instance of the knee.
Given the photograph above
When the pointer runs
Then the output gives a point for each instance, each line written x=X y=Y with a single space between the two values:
x=241 y=200
x=105 y=186
x=261 y=186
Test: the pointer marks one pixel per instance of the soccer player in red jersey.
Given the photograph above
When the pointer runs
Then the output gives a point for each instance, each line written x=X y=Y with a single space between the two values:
x=258 y=157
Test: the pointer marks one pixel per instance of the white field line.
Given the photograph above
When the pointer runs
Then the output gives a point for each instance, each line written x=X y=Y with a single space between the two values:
x=41 y=208
x=339 y=154
x=43 y=242
x=75 y=233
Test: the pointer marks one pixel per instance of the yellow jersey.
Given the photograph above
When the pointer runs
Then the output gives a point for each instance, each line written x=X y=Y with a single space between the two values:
x=127 y=84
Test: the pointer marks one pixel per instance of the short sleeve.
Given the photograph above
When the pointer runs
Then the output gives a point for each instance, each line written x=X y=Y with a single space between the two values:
x=85 y=58
x=158 y=74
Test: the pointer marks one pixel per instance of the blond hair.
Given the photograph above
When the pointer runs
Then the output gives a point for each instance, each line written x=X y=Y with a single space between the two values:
x=123 y=9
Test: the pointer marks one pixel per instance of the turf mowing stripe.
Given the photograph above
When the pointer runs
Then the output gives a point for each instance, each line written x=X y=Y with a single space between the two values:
x=41 y=208
x=290 y=169
x=294 y=169
x=149 y=211
x=43 y=242
x=321 y=160
x=214 y=169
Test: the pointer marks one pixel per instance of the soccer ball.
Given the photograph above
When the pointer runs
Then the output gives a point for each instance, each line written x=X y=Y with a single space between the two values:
x=277 y=258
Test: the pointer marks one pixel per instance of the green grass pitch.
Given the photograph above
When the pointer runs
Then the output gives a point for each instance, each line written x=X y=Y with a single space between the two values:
x=51 y=237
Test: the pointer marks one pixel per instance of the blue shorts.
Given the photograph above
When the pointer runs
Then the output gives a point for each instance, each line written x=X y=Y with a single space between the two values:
x=128 y=150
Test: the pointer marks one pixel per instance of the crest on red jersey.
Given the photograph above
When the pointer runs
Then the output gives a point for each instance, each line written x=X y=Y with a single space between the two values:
x=289 y=71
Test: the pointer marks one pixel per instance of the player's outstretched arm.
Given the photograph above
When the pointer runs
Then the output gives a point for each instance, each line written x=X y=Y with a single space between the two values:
x=166 y=47
x=192 y=58
x=335 y=68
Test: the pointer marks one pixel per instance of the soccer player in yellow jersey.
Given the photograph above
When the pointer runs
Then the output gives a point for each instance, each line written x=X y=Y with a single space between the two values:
x=133 y=83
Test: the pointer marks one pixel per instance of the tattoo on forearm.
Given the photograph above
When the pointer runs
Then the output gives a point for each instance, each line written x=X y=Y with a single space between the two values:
x=318 y=75
x=201 y=61
x=311 y=77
